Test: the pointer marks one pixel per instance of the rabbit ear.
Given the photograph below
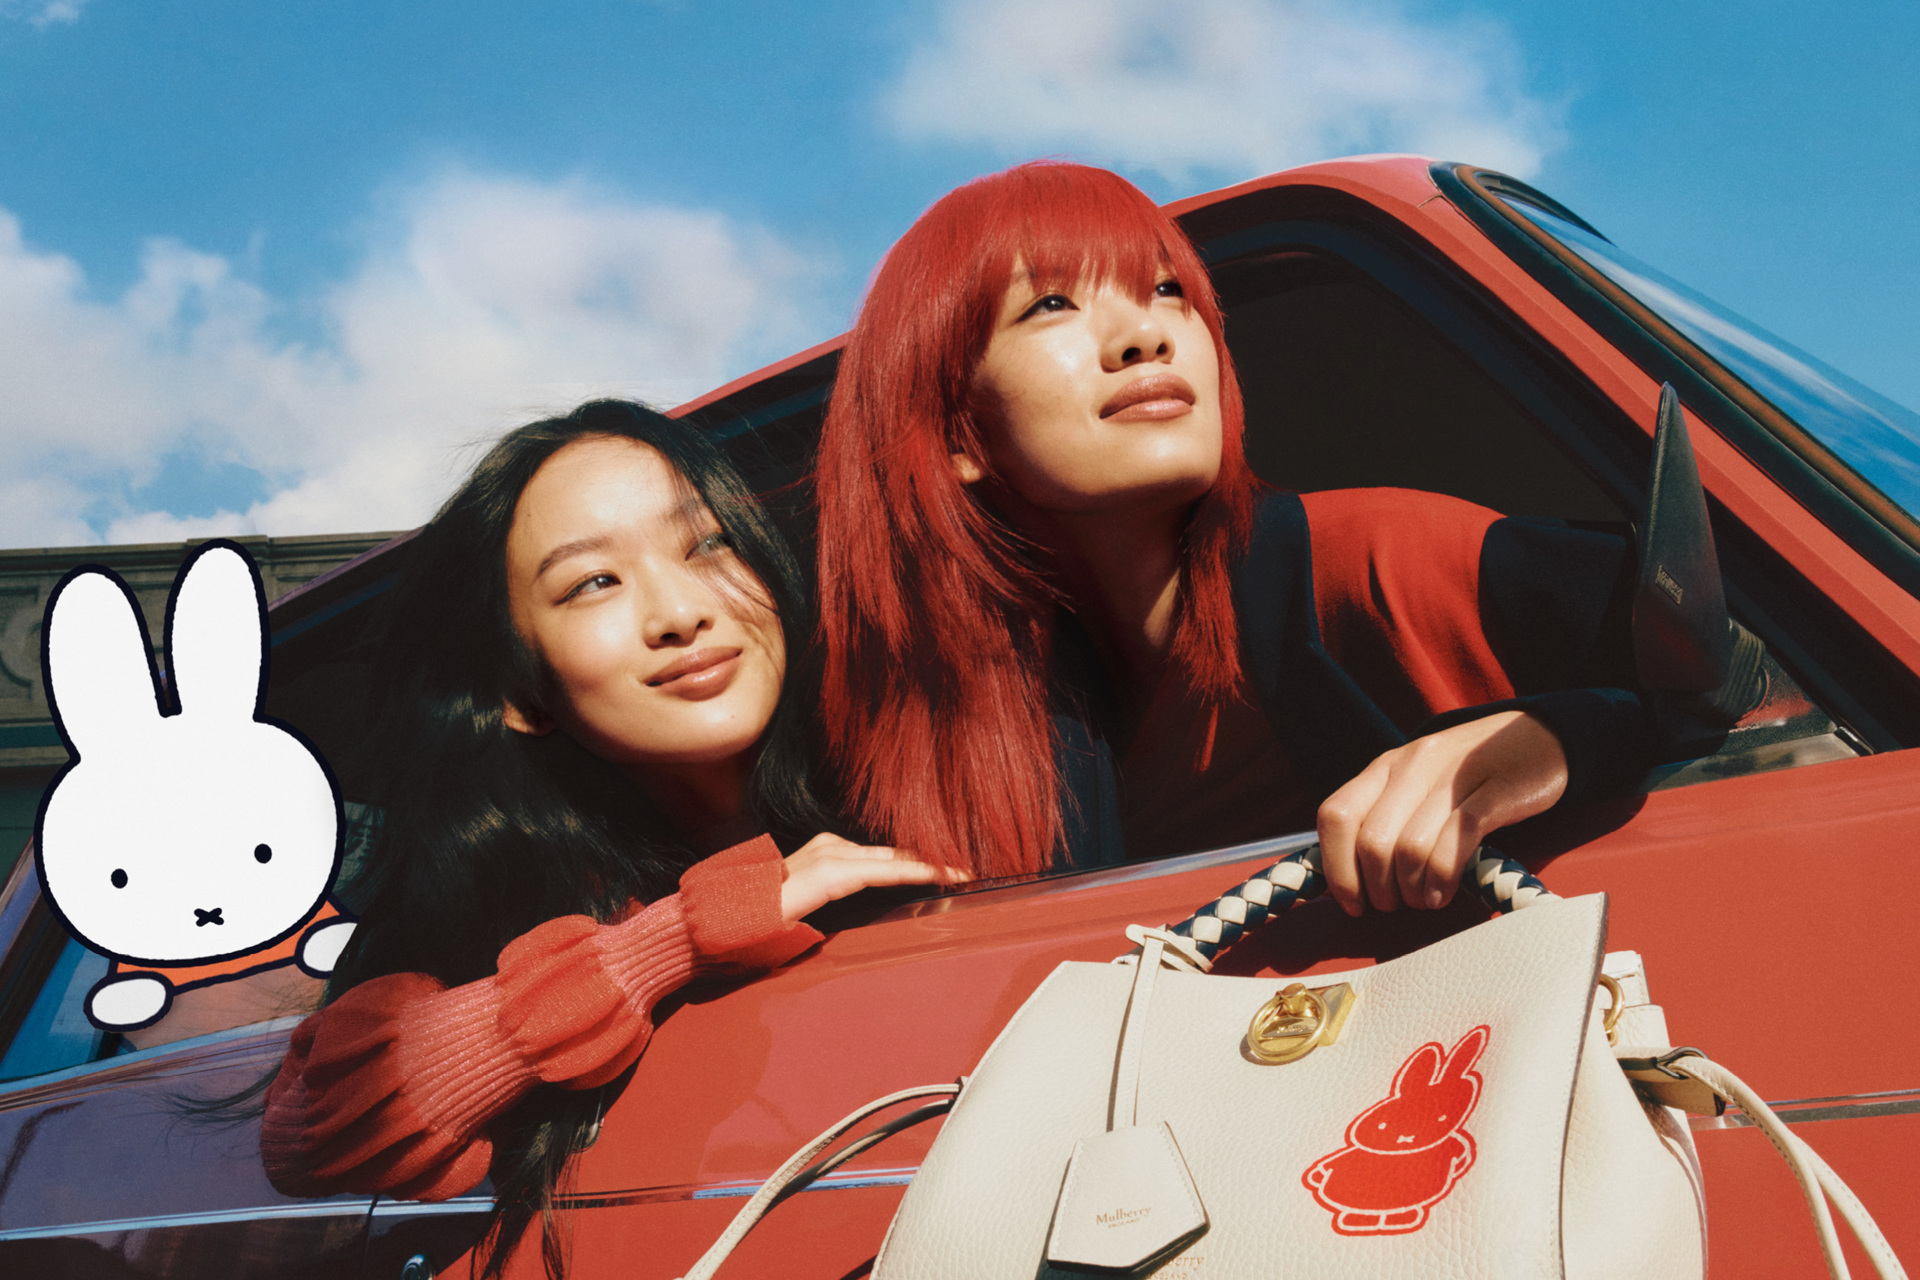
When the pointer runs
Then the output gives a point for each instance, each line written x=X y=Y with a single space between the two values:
x=99 y=668
x=1465 y=1052
x=216 y=634
x=1421 y=1070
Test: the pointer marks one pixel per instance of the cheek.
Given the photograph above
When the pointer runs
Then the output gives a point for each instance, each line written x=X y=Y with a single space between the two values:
x=1044 y=453
x=776 y=646
x=764 y=628
x=585 y=658
x=1030 y=406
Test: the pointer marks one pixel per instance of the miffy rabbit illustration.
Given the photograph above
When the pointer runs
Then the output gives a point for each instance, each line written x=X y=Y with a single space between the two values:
x=190 y=839
x=1405 y=1152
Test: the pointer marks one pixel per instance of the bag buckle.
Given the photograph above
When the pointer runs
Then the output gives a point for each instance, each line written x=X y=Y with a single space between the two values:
x=1654 y=1078
x=1298 y=1020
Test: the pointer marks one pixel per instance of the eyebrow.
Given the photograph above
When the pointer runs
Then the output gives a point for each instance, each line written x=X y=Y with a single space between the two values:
x=595 y=543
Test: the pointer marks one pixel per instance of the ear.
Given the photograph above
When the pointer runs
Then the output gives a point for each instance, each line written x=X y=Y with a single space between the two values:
x=1421 y=1070
x=98 y=667
x=1465 y=1052
x=968 y=469
x=217 y=634
x=532 y=721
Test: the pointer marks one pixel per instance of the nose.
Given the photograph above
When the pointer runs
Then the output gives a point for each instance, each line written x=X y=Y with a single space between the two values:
x=1131 y=332
x=207 y=917
x=678 y=608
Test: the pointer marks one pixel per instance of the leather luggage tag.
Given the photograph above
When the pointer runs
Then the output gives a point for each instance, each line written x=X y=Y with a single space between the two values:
x=1127 y=1201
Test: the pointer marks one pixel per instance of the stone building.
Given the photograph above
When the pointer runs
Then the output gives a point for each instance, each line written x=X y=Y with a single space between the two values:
x=30 y=748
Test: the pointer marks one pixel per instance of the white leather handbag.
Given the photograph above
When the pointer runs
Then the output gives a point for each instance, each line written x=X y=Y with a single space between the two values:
x=1499 y=1104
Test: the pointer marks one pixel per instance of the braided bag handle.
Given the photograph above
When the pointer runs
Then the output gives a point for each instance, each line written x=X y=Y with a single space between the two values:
x=1503 y=884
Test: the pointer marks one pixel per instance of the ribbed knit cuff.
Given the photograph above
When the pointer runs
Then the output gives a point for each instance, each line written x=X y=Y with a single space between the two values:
x=651 y=953
x=732 y=907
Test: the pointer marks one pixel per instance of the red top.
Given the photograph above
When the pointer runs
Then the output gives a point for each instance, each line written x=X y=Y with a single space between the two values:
x=1396 y=585
x=390 y=1088
x=1396 y=588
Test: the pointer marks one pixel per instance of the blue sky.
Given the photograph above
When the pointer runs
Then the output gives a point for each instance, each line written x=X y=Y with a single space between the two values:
x=270 y=267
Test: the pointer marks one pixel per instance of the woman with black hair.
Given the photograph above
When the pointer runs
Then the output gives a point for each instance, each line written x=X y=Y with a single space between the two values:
x=583 y=684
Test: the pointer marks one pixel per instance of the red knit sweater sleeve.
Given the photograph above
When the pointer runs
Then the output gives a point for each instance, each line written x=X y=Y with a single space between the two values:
x=1396 y=581
x=391 y=1087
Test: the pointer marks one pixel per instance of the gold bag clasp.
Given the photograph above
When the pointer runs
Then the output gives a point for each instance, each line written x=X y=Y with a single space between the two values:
x=1298 y=1020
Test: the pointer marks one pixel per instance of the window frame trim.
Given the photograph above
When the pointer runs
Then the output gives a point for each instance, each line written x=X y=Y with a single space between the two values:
x=1882 y=531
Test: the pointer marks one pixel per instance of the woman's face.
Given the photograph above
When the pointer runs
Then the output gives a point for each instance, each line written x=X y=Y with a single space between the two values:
x=661 y=644
x=1093 y=401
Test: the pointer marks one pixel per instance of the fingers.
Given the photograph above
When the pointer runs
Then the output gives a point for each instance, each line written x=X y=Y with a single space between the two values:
x=906 y=871
x=1377 y=832
x=1424 y=837
x=1446 y=860
x=1405 y=829
x=1339 y=823
x=829 y=867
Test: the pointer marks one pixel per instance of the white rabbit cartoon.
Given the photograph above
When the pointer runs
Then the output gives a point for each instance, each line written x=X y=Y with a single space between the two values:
x=194 y=843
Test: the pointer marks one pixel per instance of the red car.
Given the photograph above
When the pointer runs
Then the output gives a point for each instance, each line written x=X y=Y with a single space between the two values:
x=1395 y=322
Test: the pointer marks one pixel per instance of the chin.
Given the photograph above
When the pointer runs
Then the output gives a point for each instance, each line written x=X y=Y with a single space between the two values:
x=1154 y=496
x=711 y=741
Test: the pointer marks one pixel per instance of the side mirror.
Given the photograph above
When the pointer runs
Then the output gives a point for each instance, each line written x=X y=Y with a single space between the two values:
x=1684 y=644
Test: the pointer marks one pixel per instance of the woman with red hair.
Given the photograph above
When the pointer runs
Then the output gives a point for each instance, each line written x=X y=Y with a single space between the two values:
x=1063 y=622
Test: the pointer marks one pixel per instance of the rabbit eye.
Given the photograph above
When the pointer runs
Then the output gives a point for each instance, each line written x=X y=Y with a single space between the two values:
x=1443 y=1119
x=262 y=854
x=119 y=878
x=1383 y=1124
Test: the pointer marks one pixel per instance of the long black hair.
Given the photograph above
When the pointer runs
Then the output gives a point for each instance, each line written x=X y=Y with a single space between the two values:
x=488 y=832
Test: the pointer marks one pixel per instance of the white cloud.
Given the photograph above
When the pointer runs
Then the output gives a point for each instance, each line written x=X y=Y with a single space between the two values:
x=482 y=301
x=43 y=13
x=1229 y=88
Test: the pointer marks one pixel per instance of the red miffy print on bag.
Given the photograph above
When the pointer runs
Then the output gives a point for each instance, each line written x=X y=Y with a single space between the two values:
x=1405 y=1152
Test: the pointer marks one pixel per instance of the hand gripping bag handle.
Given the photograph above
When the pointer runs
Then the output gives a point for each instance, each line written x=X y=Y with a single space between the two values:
x=1503 y=884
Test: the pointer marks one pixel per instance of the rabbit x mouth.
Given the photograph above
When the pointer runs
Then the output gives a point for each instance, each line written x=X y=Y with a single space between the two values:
x=207 y=917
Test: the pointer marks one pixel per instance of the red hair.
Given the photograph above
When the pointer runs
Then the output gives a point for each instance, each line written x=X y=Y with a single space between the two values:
x=935 y=625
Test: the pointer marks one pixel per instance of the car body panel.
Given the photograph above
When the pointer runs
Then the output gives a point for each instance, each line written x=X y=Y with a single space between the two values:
x=104 y=1173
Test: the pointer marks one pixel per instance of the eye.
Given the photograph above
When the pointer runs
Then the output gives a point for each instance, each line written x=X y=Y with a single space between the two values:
x=1169 y=288
x=711 y=545
x=590 y=583
x=119 y=878
x=262 y=854
x=1048 y=303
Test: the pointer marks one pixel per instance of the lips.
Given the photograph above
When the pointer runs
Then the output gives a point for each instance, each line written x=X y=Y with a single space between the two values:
x=702 y=671
x=1157 y=395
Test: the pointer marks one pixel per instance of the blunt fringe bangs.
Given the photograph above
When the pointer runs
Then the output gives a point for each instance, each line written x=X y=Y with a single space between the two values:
x=935 y=623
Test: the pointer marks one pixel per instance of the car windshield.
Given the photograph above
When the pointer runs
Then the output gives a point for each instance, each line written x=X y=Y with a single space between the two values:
x=1870 y=433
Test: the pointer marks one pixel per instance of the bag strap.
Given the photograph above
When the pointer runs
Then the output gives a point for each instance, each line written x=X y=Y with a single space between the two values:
x=800 y=1169
x=1503 y=884
x=1652 y=1069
